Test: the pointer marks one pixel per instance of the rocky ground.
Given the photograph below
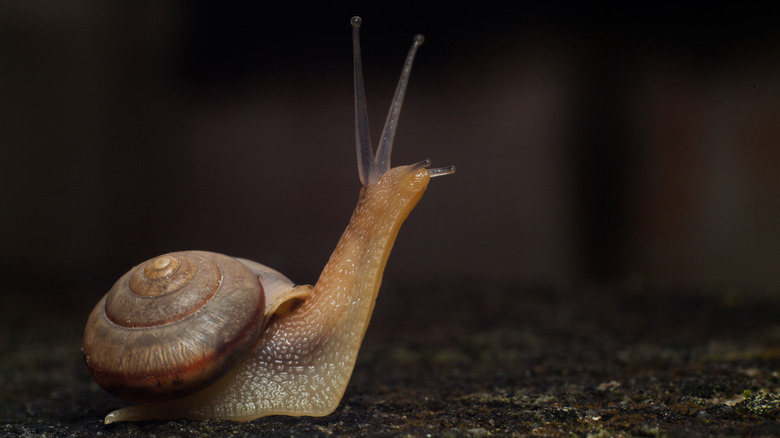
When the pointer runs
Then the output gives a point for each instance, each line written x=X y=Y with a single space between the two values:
x=464 y=359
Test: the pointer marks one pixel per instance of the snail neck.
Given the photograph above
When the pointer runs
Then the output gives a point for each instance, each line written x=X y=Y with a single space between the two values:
x=352 y=276
x=327 y=329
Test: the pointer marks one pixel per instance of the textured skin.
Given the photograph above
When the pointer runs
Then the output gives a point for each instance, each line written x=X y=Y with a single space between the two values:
x=304 y=359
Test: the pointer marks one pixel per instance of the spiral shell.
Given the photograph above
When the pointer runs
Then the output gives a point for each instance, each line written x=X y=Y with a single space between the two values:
x=174 y=324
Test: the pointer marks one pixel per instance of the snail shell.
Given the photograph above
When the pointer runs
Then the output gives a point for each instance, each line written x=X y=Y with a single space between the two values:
x=176 y=323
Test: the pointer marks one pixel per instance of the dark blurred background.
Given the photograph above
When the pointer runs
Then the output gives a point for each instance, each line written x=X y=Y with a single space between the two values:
x=593 y=143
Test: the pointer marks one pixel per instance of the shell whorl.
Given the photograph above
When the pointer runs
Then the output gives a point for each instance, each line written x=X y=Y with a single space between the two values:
x=173 y=325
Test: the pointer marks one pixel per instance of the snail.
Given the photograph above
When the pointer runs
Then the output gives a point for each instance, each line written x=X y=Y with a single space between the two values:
x=201 y=335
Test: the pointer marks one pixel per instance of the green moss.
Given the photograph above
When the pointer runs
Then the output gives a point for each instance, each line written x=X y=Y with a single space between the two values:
x=763 y=404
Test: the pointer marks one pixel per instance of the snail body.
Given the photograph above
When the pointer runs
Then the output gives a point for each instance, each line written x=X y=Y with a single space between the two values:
x=286 y=349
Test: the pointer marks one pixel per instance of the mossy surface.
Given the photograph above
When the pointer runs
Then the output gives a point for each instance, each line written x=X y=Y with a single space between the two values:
x=466 y=359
